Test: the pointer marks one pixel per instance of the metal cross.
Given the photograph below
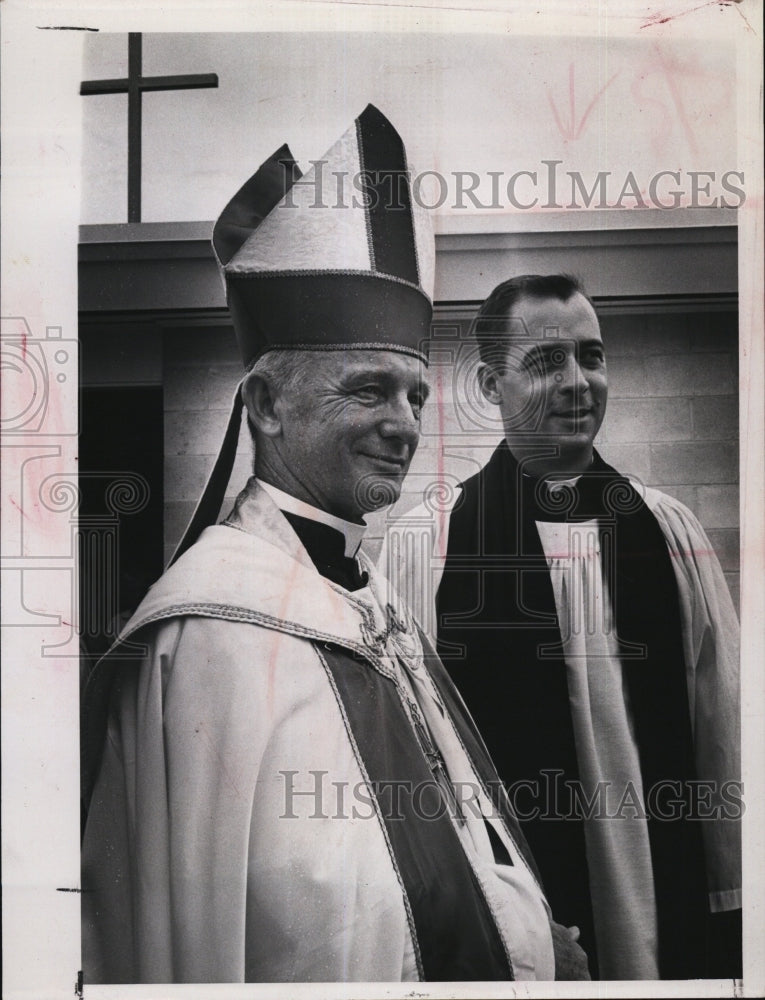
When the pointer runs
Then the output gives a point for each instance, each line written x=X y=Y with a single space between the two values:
x=134 y=85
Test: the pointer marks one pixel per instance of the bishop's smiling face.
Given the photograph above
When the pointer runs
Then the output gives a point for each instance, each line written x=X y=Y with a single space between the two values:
x=349 y=434
x=553 y=387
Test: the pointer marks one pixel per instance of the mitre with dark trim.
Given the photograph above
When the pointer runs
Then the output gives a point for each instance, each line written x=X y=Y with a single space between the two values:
x=341 y=258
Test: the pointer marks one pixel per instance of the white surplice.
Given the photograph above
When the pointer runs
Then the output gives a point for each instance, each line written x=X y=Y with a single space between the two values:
x=616 y=832
x=413 y=557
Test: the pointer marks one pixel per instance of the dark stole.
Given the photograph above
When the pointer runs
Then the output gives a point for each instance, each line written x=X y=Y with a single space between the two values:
x=499 y=637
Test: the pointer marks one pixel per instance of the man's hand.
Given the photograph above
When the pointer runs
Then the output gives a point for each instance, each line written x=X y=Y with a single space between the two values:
x=570 y=959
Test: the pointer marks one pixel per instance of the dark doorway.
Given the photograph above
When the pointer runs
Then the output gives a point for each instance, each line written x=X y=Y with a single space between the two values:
x=121 y=507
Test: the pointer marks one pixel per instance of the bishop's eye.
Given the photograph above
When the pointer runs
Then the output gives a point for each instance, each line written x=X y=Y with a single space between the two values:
x=368 y=393
x=417 y=402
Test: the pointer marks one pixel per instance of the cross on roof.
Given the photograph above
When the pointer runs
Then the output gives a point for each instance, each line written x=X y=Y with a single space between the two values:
x=134 y=85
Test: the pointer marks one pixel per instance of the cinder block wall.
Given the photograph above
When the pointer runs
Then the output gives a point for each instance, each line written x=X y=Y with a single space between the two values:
x=672 y=418
x=672 y=415
x=202 y=369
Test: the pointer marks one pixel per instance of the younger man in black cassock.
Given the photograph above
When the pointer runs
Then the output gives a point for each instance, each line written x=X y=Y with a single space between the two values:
x=587 y=623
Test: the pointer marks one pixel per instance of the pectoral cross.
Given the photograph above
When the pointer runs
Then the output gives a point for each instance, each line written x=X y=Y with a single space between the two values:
x=134 y=85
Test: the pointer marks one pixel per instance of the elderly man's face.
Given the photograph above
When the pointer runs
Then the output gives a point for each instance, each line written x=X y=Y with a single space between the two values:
x=554 y=387
x=350 y=432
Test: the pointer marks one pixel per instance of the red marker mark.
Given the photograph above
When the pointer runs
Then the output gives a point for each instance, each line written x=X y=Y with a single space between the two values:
x=656 y=19
x=570 y=129
x=667 y=73
x=688 y=553
x=18 y=508
x=670 y=75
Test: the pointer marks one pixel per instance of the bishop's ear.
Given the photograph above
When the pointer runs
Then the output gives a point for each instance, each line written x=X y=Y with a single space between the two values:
x=488 y=379
x=261 y=397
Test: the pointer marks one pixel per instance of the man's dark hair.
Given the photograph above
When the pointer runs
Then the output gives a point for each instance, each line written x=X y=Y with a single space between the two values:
x=491 y=327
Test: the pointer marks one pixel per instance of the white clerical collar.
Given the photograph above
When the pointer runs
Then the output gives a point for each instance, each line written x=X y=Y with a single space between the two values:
x=553 y=485
x=556 y=484
x=352 y=533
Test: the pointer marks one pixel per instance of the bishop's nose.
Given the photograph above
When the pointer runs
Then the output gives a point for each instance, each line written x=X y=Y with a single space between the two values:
x=400 y=422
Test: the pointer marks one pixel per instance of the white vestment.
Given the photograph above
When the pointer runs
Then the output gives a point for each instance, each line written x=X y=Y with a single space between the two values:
x=232 y=835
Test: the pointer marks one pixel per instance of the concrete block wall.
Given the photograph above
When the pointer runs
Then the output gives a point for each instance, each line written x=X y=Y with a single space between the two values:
x=672 y=418
x=672 y=415
x=202 y=369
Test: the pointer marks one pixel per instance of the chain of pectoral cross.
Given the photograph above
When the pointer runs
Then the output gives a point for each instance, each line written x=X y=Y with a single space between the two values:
x=134 y=86
x=435 y=763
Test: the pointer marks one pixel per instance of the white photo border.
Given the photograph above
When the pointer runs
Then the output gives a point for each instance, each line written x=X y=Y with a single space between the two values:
x=41 y=115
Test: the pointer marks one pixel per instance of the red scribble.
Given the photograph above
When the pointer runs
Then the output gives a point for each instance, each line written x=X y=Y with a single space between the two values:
x=726 y=3
x=674 y=89
x=570 y=129
x=23 y=345
x=18 y=508
x=691 y=553
x=275 y=658
x=677 y=74
x=656 y=19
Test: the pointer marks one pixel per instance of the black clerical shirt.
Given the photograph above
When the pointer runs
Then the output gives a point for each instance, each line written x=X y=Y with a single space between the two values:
x=326 y=547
